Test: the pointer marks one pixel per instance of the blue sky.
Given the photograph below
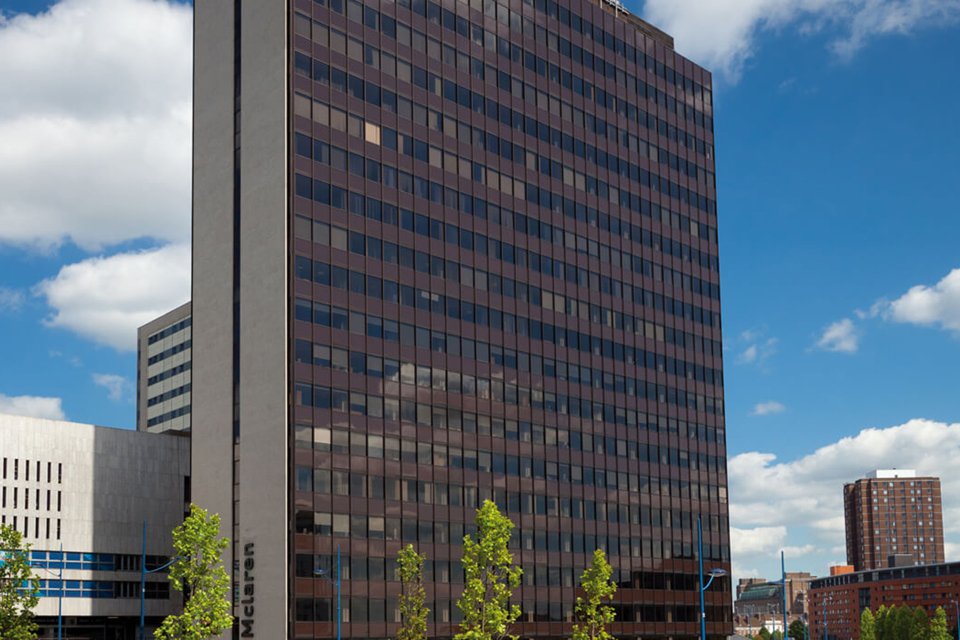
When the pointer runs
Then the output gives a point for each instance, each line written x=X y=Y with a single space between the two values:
x=838 y=149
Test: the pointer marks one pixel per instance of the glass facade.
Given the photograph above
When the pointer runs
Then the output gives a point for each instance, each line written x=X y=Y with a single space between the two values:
x=504 y=285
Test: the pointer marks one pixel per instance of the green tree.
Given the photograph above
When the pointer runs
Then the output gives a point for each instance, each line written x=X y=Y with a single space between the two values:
x=413 y=611
x=881 y=625
x=592 y=615
x=919 y=623
x=938 y=626
x=490 y=578
x=19 y=587
x=764 y=633
x=797 y=630
x=868 y=625
x=199 y=573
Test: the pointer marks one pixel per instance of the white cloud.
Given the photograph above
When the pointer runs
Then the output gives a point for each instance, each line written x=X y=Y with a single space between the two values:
x=768 y=408
x=756 y=541
x=118 y=388
x=721 y=34
x=95 y=121
x=755 y=347
x=10 y=299
x=937 y=305
x=105 y=299
x=841 y=336
x=32 y=406
x=804 y=497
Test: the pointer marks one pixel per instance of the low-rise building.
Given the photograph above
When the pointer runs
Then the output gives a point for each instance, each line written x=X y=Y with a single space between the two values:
x=836 y=602
x=81 y=495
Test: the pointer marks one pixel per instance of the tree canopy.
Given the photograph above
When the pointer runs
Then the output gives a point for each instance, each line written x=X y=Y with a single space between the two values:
x=199 y=573
x=490 y=578
x=19 y=587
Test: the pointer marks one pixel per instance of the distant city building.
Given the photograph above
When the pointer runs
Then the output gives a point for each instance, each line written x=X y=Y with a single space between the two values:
x=80 y=495
x=164 y=376
x=836 y=602
x=743 y=583
x=759 y=602
x=891 y=514
x=841 y=569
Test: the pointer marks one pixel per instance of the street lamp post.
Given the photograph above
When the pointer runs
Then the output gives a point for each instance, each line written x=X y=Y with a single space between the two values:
x=143 y=577
x=322 y=573
x=714 y=573
x=783 y=586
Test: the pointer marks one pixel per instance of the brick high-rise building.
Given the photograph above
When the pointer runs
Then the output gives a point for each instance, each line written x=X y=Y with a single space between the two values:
x=449 y=251
x=893 y=517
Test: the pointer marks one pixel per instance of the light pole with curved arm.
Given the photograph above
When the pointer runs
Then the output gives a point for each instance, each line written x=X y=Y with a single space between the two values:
x=714 y=573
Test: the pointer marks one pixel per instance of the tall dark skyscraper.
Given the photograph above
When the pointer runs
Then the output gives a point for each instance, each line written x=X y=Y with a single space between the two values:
x=447 y=252
x=893 y=518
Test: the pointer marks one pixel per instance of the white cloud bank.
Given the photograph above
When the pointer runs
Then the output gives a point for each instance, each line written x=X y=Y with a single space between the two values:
x=32 y=406
x=106 y=299
x=798 y=505
x=937 y=305
x=95 y=123
x=721 y=34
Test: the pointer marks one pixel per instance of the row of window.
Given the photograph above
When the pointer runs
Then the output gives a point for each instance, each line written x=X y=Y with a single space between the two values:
x=86 y=561
x=169 y=331
x=169 y=395
x=468 y=312
x=422 y=151
x=359 y=485
x=170 y=415
x=370 y=445
x=392 y=253
x=376 y=95
x=172 y=351
x=340 y=278
x=379 y=610
x=169 y=373
x=600 y=65
x=377 y=569
x=11 y=470
x=411 y=530
x=374 y=57
x=15 y=494
x=442 y=380
x=43 y=528
x=102 y=589
x=358 y=204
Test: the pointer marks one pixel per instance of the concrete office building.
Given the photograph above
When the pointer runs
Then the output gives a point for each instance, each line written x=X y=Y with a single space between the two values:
x=893 y=517
x=164 y=375
x=80 y=494
x=449 y=251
